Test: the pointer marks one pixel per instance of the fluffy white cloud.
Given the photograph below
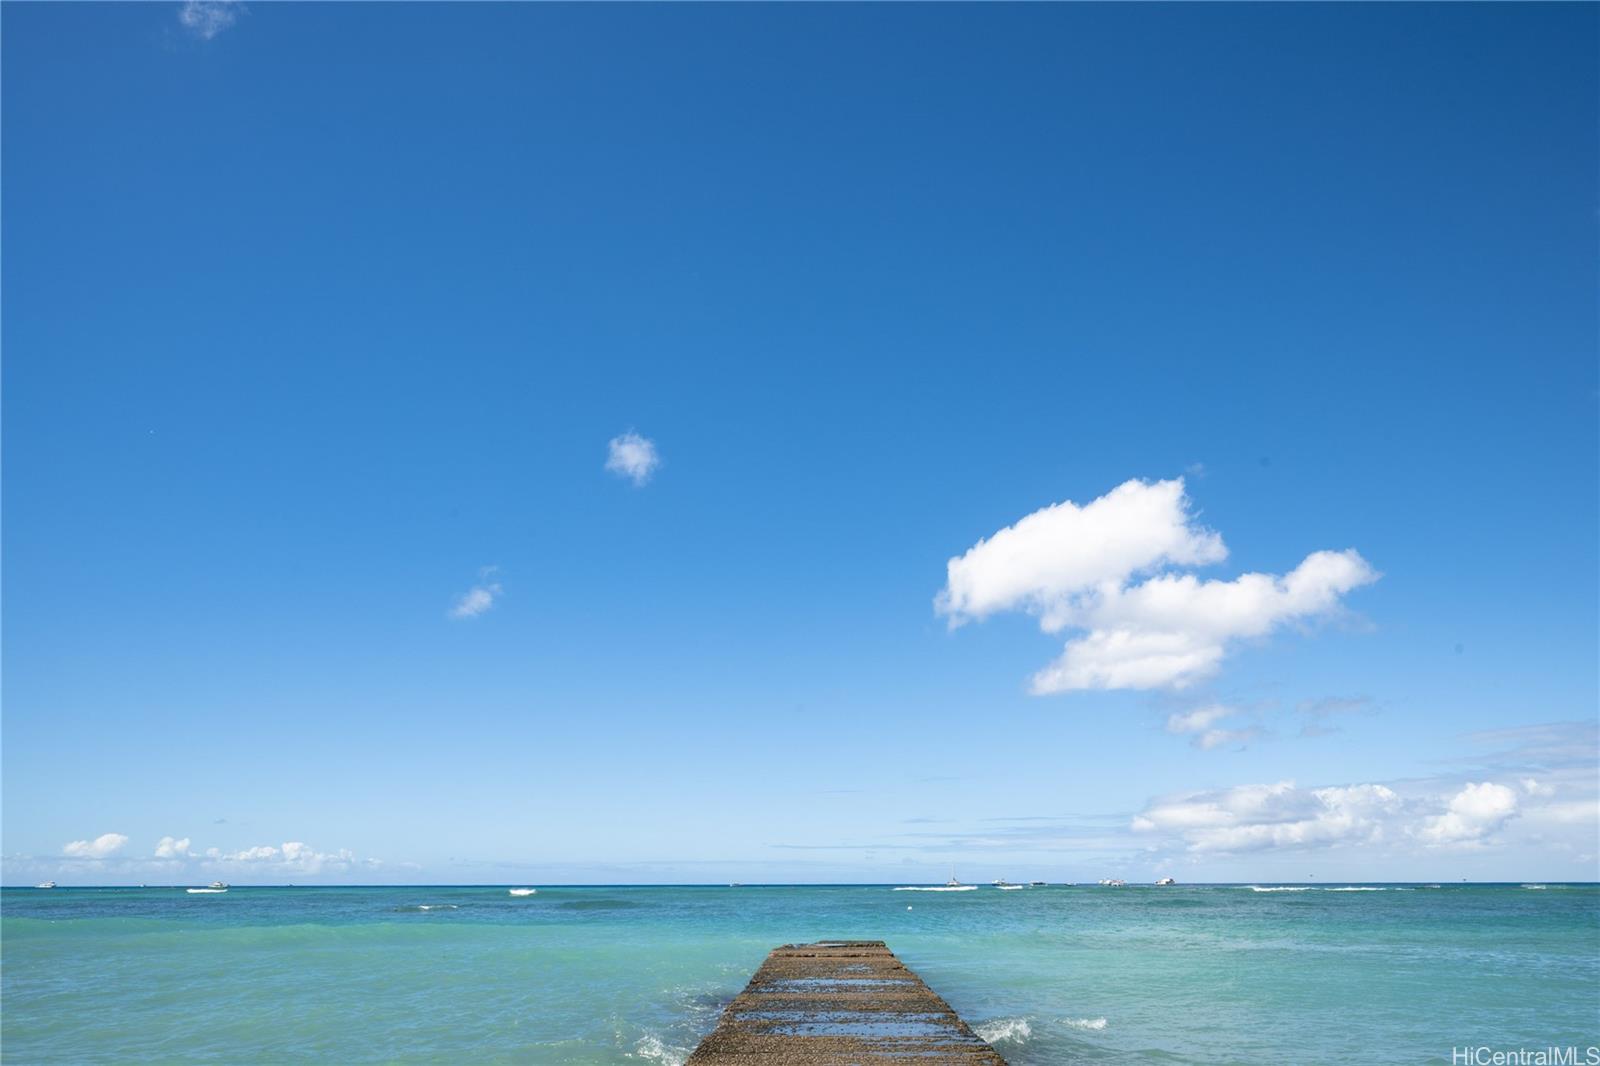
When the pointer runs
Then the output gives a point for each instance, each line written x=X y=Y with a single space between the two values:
x=480 y=597
x=633 y=457
x=1475 y=812
x=1083 y=568
x=1044 y=563
x=292 y=857
x=100 y=847
x=207 y=18
x=1254 y=817
x=171 y=848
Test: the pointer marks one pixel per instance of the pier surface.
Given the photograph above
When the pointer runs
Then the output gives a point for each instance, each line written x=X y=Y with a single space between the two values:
x=839 y=1002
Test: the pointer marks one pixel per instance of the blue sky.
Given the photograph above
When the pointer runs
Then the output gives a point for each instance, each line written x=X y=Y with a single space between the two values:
x=319 y=318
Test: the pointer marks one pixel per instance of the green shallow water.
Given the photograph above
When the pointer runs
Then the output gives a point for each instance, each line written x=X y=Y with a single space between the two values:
x=1219 y=974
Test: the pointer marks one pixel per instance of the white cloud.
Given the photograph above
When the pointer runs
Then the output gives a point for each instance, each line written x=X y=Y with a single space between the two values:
x=99 y=848
x=1198 y=719
x=1251 y=818
x=633 y=457
x=1046 y=561
x=1534 y=787
x=1217 y=738
x=291 y=857
x=1200 y=722
x=480 y=597
x=1476 y=811
x=207 y=18
x=170 y=848
x=1256 y=817
x=1076 y=568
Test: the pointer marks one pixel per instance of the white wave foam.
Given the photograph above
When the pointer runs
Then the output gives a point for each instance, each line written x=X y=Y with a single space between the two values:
x=1356 y=888
x=437 y=907
x=1535 y=886
x=936 y=888
x=218 y=891
x=1092 y=1024
x=651 y=1047
x=1004 y=1030
x=1279 y=888
x=523 y=891
x=1009 y=888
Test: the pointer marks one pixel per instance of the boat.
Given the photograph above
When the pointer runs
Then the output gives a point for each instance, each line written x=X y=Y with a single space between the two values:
x=212 y=889
x=47 y=884
x=1166 y=881
x=1006 y=886
x=523 y=891
x=1036 y=884
x=1113 y=882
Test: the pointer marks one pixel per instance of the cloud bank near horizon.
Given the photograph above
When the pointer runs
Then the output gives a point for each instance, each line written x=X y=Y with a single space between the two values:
x=1106 y=569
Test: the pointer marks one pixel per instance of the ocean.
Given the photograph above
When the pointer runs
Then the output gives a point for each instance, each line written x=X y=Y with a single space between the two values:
x=1183 y=974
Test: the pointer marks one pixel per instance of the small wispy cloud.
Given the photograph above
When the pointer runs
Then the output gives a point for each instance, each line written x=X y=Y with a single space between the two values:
x=1202 y=723
x=100 y=847
x=1318 y=714
x=633 y=457
x=207 y=18
x=480 y=597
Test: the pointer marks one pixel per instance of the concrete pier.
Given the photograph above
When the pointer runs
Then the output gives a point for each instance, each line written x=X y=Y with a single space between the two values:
x=839 y=1002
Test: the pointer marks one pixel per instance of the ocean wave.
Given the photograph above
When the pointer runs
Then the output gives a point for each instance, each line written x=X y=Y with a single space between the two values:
x=1091 y=1024
x=1535 y=886
x=1362 y=888
x=936 y=888
x=651 y=1047
x=1279 y=888
x=523 y=891
x=1004 y=1030
x=427 y=907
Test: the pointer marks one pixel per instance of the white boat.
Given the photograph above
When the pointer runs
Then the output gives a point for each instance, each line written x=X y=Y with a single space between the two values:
x=1113 y=882
x=523 y=891
x=1166 y=881
x=214 y=888
x=1036 y=884
x=47 y=884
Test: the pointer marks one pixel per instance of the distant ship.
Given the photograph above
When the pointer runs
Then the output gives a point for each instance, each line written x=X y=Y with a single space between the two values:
x=523 y=891
x=216 y=886
x=1036 y=884
x=47 y=884
x=1113 y=882
x=1166 y=881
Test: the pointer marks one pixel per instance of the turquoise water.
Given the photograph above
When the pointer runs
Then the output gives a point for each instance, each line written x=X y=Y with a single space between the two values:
x=638 y=975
